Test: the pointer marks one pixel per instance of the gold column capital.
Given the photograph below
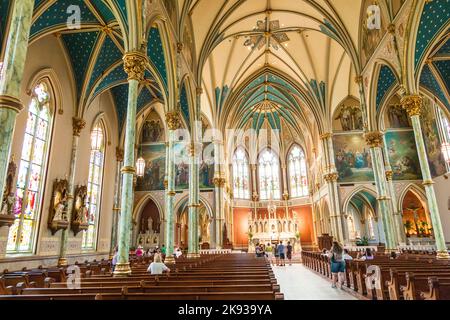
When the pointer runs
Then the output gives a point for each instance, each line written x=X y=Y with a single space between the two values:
x=78 y=124
x=199 y=91
x=255 y=196
x=374 y=139
x=331 y=177
x=10 y=102
x=286 y=195
x=358 y=79
x=173 y=120
x=134 y=64
x=219 y=182
x=171 y=193
x=326 y=135
x=194 y=205
x=119 y=154
x=389 y=175
x=412 y=104
x=427 y=182
x=391 y=28
x=180 y=47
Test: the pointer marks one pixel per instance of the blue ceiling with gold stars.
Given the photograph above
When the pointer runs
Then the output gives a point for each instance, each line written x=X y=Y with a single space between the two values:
x=435 y=17
x=96 y=49
x=386 y=80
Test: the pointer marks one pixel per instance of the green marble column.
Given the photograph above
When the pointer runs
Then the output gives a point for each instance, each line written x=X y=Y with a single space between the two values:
x=78 y=124
x=413 y=105
x=219 y=183
x=331 y=178
x=397 y=216
x=173 y=123
x=374 y=140
x=116 y=206
x=13 y=66
x=194 y=200
x=134 y=66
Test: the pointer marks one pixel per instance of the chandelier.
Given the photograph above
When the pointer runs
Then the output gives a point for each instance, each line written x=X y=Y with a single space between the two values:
x=140 y=165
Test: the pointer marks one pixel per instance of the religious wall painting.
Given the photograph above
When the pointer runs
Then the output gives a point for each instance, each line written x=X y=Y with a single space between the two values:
x=373 y=27
x=431 y=138
x=353 y=159
x=155 y=164
x=152 y=129
x=181 y=150
x=396 y=116
x=348 y=116
x=402 y=155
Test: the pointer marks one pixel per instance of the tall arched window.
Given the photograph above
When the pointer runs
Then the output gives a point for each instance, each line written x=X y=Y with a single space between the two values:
x=297 y=173
x=30 y=179
x=269 y=175
x=444 y=125
x=241 y=177
x=94 y=186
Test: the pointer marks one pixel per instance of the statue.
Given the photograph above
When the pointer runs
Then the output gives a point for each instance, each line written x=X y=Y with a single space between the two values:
x=80 y=210
x=60 y=206
x=150 y=224
x=7 y=205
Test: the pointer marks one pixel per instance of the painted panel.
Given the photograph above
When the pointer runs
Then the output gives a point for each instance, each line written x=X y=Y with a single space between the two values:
x=403 y=155
x=353 y=159
x=155 y=163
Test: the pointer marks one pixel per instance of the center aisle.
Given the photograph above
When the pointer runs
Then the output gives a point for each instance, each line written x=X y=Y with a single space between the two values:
x=299 y=283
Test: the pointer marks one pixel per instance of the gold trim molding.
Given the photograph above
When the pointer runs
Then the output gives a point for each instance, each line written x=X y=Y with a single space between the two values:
x=173 y=120
x=128 y=169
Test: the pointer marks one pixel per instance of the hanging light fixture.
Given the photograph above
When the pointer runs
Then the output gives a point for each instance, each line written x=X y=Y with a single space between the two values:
x=445 y=148
x=96 y=138
x=140 y=165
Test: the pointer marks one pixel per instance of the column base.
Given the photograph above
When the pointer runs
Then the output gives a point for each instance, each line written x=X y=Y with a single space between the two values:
x=442 y=255
x=122 y=270
x=169 y=259
x=62 y=262
x=193 y=255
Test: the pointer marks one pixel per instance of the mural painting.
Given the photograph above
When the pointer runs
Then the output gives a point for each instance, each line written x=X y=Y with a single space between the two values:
x=397 y=117
x=432 y=140
x=403 y=155
x=152 y=129
x=353 y=159
x=155 y=164
x=349 y=116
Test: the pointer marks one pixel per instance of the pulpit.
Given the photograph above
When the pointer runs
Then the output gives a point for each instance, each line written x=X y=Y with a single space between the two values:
x=325 y=241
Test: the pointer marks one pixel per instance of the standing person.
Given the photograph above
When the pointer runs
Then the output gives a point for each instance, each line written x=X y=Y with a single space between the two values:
x=337 y=262
x=157 y=266
x=163 y=251
x=277 y=255
x=289 y=252
x=269 y=253
x=114 y=259
x=281 y=253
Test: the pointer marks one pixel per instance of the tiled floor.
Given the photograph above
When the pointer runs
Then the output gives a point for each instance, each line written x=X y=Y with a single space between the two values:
x=299 y=283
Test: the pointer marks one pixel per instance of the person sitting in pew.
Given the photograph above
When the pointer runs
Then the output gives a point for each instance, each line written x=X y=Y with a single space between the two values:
x=157 y=266
x=346 y=255
x=368 y=255
x=393 y=255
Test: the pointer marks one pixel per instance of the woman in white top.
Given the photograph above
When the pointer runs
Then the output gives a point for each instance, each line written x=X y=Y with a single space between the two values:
x=157 y=266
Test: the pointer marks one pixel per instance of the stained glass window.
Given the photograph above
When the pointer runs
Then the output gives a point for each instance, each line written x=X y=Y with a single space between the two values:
x=31 y=171
x=241 y=177
x=94 y=184
x=269 y=175
x=297 y=173
x=444 y=125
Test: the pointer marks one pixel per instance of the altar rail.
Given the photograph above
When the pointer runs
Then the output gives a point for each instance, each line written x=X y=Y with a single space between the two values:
x=215 y=251
x=423 y=247
x=361 y=248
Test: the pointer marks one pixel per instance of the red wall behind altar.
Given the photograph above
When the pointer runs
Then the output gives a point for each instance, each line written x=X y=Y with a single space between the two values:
x=304 y=216
x=240 y=226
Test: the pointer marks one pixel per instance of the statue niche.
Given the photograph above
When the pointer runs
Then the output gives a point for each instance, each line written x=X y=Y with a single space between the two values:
x=58 y=206
x=7 y=206
x=80 y=212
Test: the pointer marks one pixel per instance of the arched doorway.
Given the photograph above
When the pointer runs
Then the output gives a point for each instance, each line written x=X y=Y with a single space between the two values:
x=148 y=225
x=361 y=219
x=416 y=219
x=182 y=225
